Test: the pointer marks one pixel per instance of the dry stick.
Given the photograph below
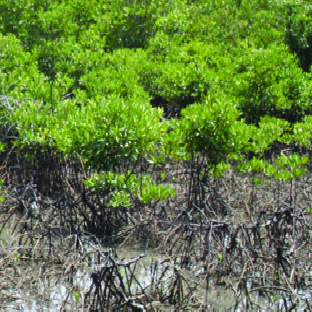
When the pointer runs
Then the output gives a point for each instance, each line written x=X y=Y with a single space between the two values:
x=293 y=292
x=162 y=275
x=269 y=287
x=171 y=233
x=241 y=278
x=129 y=236
x=191 y=288
x=191 y=178
x=138 y=283
x=201 y=211
x=235 y=293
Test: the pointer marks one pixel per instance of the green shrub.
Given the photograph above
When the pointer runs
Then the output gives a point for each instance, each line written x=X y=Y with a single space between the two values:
x=123 y=187
x=104 y=132
x=114 y=73
x=298 y=31
x=268 y=82
x=212 y=128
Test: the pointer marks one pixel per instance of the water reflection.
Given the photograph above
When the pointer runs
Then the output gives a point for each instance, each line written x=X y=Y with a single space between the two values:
x=50 y=287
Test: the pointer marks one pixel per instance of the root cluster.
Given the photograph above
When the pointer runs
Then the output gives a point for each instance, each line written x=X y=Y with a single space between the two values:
x=221 y=243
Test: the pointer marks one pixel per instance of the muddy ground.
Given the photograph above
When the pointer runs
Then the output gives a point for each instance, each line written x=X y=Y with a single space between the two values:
x=222 y=243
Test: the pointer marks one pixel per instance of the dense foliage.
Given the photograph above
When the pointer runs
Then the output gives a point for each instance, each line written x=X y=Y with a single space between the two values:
x=238 y=70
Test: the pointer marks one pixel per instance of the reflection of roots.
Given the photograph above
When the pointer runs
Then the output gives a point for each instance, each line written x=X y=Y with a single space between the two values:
x=111 y=290
x=115 y=285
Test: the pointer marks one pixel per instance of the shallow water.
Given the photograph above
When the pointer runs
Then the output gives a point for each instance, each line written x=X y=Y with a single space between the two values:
x=50 y=290
x=48 y=287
